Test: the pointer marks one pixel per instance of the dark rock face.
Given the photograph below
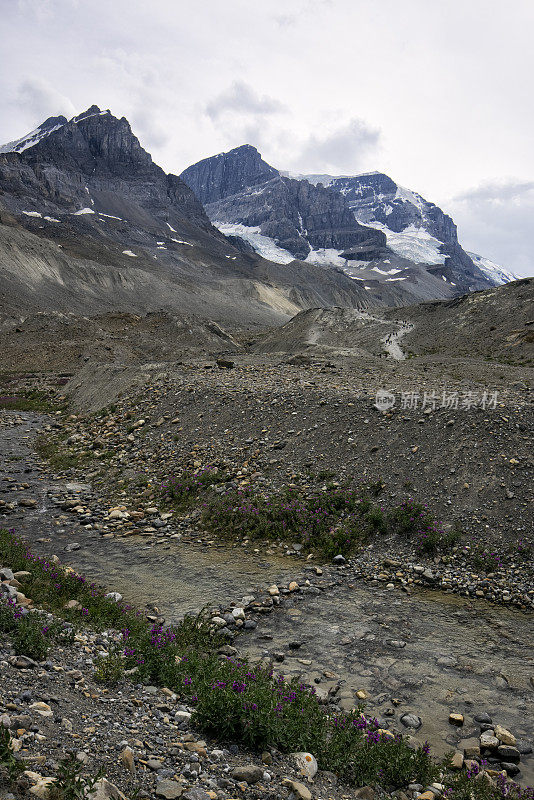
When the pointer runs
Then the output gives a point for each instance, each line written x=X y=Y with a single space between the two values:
x=227 y=173
x=96 y=157
x=239 y=187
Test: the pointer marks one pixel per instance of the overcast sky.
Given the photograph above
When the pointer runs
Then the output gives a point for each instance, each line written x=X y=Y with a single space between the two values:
x=436 y=93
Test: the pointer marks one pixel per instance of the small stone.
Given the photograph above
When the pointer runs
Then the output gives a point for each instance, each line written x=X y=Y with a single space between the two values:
x=471 y=748
x=301 y=791
x=456 y=719
x=411 y=721
x=43 y=709
x=488 y=740
x=293 y=586
x=249 y=773
x=104 y=790
x=457 y=761
x=504 y=735
x=339 y=560
x=127 y=760
x=168 y=789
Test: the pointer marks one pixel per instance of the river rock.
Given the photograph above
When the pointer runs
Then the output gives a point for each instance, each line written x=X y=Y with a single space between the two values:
x=508 y=753
x=504 y=735
x=488 y=740
x=411 y=721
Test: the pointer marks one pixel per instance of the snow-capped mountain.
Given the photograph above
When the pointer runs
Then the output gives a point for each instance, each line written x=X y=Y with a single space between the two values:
x=396 y=236
x=281 y=217
x=495 y=273
x=89 y=222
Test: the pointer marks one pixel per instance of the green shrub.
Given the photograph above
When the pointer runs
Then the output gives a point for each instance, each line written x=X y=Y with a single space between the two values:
x=70 y=784
x=183 y=490
x=109 y=669
x=8 y=762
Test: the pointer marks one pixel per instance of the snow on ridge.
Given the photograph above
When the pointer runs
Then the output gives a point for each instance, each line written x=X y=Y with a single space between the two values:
x=34 y=137
x=31 y=139
x=83 y=211
x=263 y=245
x=493 y=271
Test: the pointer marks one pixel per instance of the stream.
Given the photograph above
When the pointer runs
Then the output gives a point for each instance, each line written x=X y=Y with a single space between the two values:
x=432 y=653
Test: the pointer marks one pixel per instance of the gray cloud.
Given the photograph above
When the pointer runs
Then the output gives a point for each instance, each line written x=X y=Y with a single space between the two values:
x=495 y=220
x=341 y=150
x=241 y=98
x=40 y=100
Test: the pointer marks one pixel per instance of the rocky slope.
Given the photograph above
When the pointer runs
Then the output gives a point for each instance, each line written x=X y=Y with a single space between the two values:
x=90 y=223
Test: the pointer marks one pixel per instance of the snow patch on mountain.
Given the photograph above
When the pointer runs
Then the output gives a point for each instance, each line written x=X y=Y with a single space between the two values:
x=263 y=245
x=413 y=243
x=31 y=139
x=493 y=271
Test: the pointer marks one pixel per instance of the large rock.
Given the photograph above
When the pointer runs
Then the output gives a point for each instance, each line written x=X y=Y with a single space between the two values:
x=306 y=763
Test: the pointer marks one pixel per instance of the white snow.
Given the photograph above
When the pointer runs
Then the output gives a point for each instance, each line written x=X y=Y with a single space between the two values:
x=110 y=216
x=263 y=245
x=413 y=243
x=410 y=197
x=326 y=256
x=444 y=278
x=392 y=280
x=129 y=253
x=83 y=211
x=170 y=227
x=32 y=213
x=493 y=271
x=181 y=241
x=51 y=219
x=386 y=272
x=31 y=139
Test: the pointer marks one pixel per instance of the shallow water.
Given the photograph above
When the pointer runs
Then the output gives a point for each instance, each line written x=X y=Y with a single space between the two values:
x=458 y=655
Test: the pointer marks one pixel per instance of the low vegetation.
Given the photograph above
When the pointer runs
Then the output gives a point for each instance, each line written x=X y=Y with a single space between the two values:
x=330 y=521
x=231 y=698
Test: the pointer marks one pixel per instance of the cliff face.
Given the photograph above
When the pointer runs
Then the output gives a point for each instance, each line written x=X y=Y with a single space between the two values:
x=95 y=161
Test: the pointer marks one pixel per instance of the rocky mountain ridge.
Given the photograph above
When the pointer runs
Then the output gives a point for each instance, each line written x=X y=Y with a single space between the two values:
x=90 y=223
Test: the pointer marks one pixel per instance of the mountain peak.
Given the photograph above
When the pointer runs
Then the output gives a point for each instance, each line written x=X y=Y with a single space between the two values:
x=228 y=173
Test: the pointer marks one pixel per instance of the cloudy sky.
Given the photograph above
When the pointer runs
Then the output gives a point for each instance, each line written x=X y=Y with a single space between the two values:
x=437 y=93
